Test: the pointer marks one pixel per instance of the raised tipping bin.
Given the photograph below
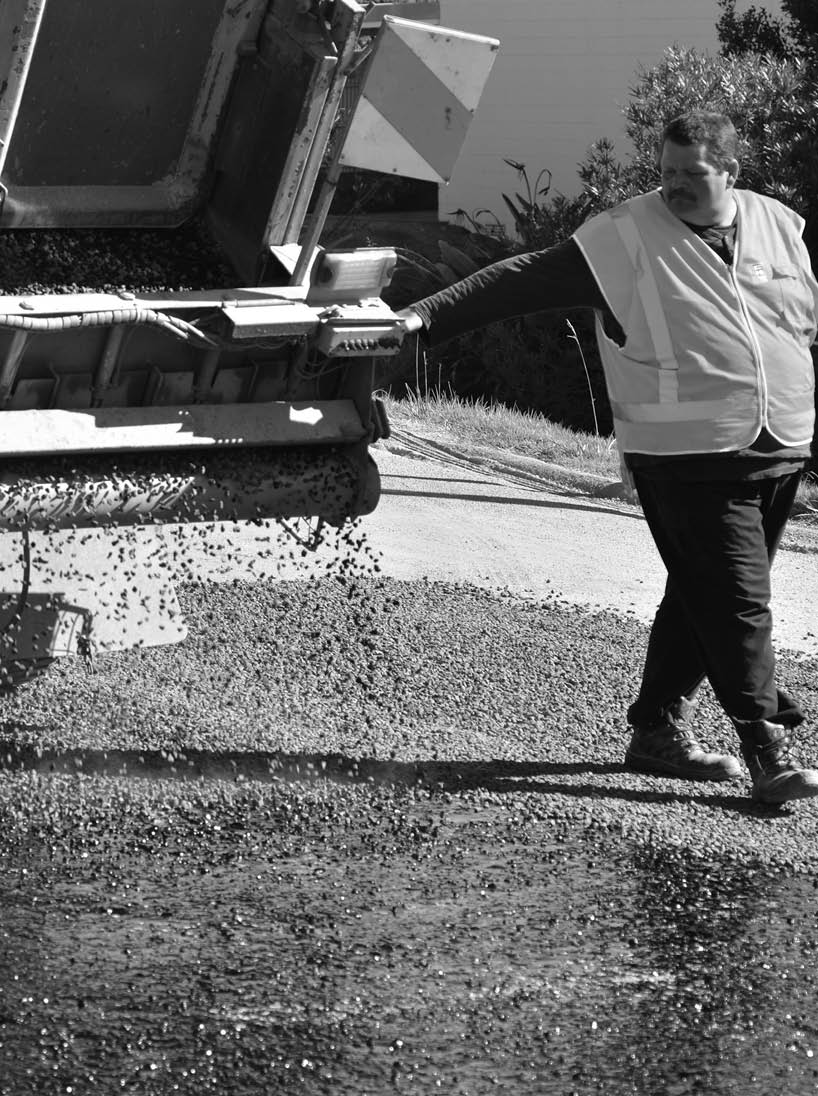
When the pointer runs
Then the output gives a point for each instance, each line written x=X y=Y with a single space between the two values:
x=124 y=408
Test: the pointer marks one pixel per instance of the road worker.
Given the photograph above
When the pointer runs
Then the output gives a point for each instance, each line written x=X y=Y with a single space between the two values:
x=706 y=307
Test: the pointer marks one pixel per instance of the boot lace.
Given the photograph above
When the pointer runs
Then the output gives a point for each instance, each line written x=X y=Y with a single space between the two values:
x=778 y=754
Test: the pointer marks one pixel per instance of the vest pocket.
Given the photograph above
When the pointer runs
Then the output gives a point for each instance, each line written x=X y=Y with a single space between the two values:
x=779 y=287
x=793 y=297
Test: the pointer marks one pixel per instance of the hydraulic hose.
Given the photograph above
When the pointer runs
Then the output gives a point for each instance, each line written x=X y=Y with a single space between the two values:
x=127 y=317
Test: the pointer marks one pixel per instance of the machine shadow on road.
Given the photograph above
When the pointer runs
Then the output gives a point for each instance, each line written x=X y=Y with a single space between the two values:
x=498 y=776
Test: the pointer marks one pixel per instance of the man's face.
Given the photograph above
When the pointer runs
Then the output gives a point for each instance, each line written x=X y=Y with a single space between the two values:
x=692 y=187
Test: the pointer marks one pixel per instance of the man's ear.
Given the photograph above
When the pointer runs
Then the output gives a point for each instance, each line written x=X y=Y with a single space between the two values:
x=733 y=169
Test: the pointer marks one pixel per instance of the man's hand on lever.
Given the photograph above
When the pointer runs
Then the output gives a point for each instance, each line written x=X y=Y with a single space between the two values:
x=411 y=320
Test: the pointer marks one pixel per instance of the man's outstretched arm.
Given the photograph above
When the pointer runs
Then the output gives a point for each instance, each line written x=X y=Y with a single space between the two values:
x=557 y=278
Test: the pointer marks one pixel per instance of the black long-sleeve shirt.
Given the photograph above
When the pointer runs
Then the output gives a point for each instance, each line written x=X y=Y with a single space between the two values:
x=559 y=279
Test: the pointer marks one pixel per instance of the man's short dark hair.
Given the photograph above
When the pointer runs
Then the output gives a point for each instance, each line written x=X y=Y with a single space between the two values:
x=709 y=128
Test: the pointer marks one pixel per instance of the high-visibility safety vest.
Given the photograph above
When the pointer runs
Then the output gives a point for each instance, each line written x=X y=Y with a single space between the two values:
x=712 y=352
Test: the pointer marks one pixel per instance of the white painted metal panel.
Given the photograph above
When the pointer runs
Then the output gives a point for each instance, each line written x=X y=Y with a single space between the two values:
x=421 y=89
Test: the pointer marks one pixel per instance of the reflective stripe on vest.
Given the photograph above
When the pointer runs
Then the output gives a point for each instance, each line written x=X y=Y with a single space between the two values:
x=652 y=303
x=686 y=411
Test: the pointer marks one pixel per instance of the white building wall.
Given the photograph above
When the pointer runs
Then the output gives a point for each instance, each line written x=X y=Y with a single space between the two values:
x=559 y=83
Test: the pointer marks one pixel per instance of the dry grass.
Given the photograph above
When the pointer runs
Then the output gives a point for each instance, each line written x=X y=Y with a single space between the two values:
x=806 y=501
x=490 y=425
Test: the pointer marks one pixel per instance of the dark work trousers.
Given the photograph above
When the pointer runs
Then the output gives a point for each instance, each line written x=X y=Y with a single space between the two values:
x=717 y=541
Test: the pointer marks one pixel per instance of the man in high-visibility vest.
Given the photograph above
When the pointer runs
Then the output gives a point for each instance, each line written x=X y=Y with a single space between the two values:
x=706 y=307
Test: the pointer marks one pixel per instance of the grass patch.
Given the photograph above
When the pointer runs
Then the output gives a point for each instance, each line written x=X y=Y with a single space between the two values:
x=487 y=425
x=482 y=424
x=806 y=501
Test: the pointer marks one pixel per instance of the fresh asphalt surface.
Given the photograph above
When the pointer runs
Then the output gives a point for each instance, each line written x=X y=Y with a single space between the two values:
x=367 y=829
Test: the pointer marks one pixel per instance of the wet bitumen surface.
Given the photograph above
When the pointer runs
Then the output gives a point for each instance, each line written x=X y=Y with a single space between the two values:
x=363 y=836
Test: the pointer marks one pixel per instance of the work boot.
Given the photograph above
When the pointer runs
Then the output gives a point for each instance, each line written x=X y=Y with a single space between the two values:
x=666 y=747
x=776 y=778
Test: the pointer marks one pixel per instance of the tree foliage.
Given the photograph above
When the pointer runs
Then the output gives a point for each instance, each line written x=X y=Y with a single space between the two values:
x=752 y=31
x=773 y=102
x=757 y=31
x=772 y=99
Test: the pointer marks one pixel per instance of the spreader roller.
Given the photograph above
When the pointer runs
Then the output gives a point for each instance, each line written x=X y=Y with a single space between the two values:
x=100 y=418
x=232 y=484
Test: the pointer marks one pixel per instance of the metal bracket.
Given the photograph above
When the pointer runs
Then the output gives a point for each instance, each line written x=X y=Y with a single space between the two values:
x=312 y=539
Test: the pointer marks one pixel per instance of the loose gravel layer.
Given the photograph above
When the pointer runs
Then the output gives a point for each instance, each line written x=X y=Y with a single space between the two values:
x=356 y=836
x=357 y=941
x=490 y=698
x=91 y=260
